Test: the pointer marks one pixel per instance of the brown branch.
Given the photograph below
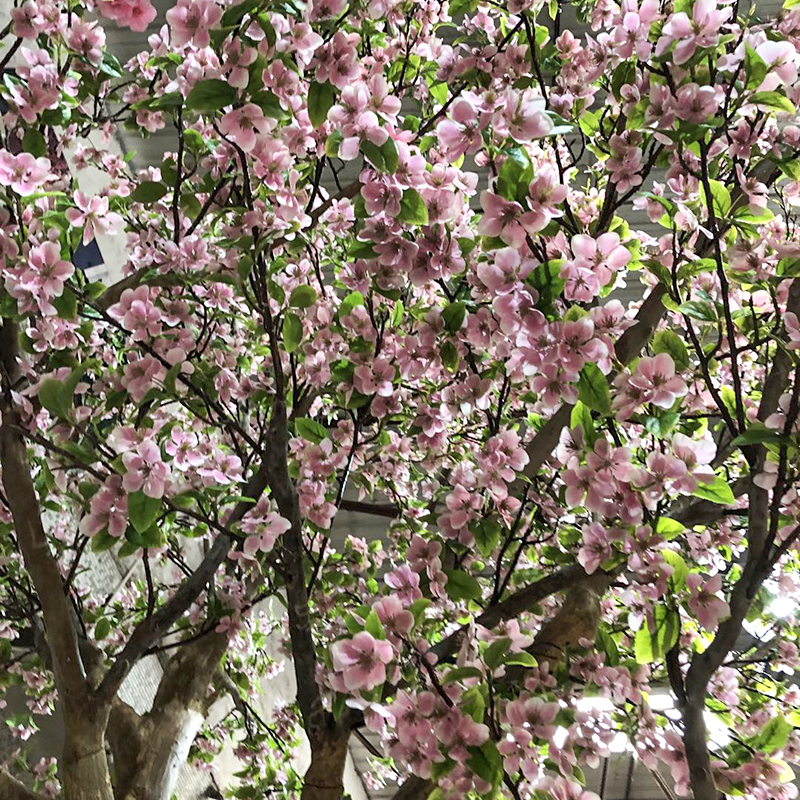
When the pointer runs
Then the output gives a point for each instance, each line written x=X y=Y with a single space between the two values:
x=153 y=628
x=40 y=563
x=12 y=789
x=518 y=603
x=757 y=568
x=627 y=348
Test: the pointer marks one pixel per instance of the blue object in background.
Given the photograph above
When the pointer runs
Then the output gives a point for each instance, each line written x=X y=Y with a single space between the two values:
x=87 y=255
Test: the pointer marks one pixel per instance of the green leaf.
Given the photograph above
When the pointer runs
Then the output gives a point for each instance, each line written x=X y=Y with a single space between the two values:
x=66 y=304
x=110 y=65
x=449 y=355
x=148 y=192
x=353 y=625
x=350 y=302
x=102 y=629
x=473 y=704
x=373 y=625
x=143 y=511
x=652 y=644
x=310 y=429
x=332 y=144
x=391 y=158
x=53 y=396
x=669 y=528
x=495 y=653
x=547 y=281
x=320 y=102
x=461 y=586
x=679 y=569
x=515 y=175
x=269 y=103
x=302 y=297
x=211 y=95
x=522 y=659
x=235 y=14
x=773 y=735
x=755 y=68
x=582 y=416
x=717 y=492
x=413 y=209
x=487 y=535
x=33 y=142
x=453 y=316
x=265 y=24
x=593 y=389
x=774 y=101
x=669 y=342
x=164 y=102
x=606 y=643
x=486 y=762
x=460 y=673
x=661 y=425
x=760 y=434
x=698 y=310
x=418 y=608
x=720 y=196
x=103 y=541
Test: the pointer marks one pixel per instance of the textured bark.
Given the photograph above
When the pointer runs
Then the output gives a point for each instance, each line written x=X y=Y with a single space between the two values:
x=84 y=766
x=324 y=779
x=12 y=789
x=167 y=731
x=756 y=570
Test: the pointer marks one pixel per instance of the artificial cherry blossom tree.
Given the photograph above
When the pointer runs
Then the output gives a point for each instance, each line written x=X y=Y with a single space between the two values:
x=585 y=499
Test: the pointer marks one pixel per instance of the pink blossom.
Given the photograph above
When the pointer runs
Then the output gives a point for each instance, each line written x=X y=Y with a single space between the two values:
x=134 y=14
x=393 y=615
x=596 y=547
x=362 y=661
x=695 y=103
x=702 y=30
x=655 y=377
x=562 y=789
x=462 y=133
x=264 y=532
x=704 y=601
x=507 y=220
x=696 y=455
x=405 y=583
x=190 y=21
x=593 y=264
x=88 y=39
x=244 y=124
x=145 y=470
x=94 y=216
x=524 y=116
x=546 y=194
x=792 y=325
x=375 y=378
x=137 y=313
x=23 y=173
x=183 y=447
x=108 y=510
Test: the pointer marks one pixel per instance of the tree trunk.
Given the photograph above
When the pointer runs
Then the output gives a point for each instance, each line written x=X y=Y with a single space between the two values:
x=167 y=731
x=324 y=779
x=84 y=766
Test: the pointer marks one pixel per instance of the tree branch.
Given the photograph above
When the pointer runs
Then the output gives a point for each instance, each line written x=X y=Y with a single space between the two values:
x=12 y=789
x=40 y=563
x=151 y=629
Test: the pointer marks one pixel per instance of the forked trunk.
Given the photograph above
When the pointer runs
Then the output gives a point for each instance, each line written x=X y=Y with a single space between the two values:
x=324 y=779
